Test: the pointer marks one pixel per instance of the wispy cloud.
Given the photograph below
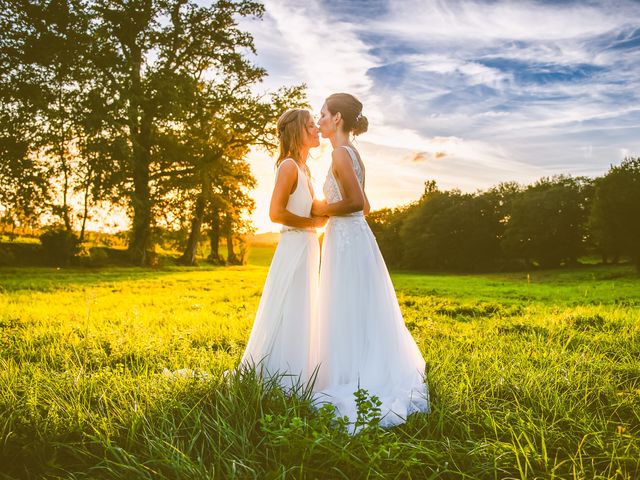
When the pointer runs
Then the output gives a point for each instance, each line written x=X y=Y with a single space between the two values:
x=309 y=47
x=467 y=92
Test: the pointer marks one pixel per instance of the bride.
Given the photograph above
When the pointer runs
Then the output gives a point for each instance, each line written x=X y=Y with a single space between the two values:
x=280 y=338
x=360 y=337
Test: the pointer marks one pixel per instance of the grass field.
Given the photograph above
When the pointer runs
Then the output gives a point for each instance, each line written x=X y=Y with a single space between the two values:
x=531 y=376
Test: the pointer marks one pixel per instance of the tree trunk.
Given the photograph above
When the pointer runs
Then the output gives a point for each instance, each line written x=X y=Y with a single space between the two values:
x=63 y=159
x=85 y=212
x=141 y=200
x=189 y=255
x=232 y=259
x=65 y=191
x=214 y=237
x=140 y=132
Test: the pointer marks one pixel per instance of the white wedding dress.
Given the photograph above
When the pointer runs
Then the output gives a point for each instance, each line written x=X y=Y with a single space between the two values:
x=361 y=339
x=280 y=338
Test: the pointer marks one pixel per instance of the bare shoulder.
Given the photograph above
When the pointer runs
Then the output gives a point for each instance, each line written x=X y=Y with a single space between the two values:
x=287 y=174
x=340 y=157
x=288 y=167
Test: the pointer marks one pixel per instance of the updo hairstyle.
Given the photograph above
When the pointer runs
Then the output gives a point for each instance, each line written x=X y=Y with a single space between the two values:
x=351 y=110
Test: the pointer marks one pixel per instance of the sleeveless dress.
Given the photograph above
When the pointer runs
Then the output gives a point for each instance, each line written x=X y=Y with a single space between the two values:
x=280 y=337
x=361 y=338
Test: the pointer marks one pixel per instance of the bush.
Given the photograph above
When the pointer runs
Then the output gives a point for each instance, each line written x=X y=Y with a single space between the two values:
x=59 y=245
x=94 y=257
x=6 y=256
x=99 y=256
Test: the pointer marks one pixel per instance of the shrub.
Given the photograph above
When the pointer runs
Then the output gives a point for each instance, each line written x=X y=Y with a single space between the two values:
x=6 y=256
x=59 y=245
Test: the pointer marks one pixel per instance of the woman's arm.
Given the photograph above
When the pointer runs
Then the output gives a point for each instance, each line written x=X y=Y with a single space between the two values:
x=286 y=182
x=353 y=198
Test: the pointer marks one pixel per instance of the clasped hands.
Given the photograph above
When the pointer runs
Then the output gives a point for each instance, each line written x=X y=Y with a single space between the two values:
x=318 y=212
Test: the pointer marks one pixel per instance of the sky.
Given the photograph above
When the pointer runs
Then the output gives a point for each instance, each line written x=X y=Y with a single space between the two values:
x=468 y=93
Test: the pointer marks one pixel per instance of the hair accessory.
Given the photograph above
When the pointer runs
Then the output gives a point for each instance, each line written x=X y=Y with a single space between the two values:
x=359 y=116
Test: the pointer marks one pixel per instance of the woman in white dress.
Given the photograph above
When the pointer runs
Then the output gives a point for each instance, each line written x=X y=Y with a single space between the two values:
x=361 y=338
x=280 y=338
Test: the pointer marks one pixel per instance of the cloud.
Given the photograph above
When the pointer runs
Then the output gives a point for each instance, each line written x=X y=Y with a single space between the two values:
x=499 y=90
x=424 y=156
x=417 y=157
x=303 y=44
x=488 y=21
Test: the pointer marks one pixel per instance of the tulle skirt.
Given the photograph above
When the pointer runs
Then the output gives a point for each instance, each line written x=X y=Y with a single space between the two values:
x=279 y=344
x=361 y=338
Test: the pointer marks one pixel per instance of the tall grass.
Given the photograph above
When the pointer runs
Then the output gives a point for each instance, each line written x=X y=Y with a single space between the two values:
x=119 y=373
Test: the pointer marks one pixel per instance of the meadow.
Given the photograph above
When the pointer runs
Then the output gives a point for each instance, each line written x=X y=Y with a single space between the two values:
x=119 y=373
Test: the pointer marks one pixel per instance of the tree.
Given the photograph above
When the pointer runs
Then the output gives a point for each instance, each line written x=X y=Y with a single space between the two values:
x=451 y=230
x=237 y=202
x=60 y=48
x=386 y=225
x=49 y=110
x=501 y=197
x=547 y=223
x=150 y=66
x=28 y=46
x=236 y=120
x=615 y=214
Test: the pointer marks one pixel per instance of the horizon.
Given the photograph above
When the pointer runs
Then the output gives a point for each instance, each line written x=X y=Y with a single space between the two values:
x=490 y=91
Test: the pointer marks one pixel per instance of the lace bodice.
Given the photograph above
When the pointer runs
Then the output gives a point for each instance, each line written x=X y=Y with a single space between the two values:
x=331 y=187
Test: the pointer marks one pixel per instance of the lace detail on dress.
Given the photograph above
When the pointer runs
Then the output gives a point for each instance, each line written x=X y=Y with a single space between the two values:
x=331 y=188
x=342 y=228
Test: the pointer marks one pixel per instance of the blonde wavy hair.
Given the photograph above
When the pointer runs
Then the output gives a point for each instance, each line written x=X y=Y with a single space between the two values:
x=292 y=125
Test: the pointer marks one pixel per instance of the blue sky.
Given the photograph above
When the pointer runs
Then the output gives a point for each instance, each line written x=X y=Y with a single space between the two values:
x=467 y=93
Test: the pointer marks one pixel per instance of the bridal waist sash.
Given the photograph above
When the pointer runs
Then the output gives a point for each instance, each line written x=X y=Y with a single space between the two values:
x=286 y=229
x=359 y=214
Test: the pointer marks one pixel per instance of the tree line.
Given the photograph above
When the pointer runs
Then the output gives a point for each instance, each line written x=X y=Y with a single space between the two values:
x=150 y=105
x=549 y=223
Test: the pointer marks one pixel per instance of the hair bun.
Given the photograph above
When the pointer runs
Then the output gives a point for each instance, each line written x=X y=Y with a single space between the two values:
x=361 y=125
x=351 y=110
